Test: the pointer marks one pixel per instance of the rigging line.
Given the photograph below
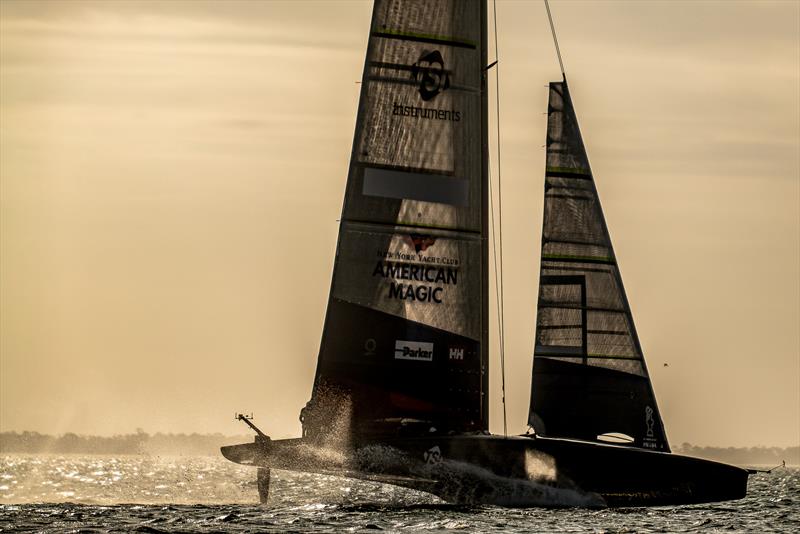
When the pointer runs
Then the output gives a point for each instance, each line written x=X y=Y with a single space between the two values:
x=497 y=291
x=555 y=39
x=499 y=273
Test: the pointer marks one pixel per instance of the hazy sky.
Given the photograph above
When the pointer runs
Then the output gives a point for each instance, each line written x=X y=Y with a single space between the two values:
x=171 y=175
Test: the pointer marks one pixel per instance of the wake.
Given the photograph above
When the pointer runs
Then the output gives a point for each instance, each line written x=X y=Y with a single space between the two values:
x=465 y=483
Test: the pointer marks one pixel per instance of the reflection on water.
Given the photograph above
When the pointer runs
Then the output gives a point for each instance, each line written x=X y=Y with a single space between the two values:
x=208 y=494
x=95 y=479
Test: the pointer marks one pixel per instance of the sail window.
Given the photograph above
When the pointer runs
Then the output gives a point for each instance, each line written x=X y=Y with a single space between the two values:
x=562 y=308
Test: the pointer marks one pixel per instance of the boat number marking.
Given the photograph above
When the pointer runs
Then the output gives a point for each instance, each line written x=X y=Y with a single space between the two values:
x=433 y=455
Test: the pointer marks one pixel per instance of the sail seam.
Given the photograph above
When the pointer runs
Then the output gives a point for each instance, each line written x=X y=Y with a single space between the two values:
x=553 y=305
x=405 y=168
x=387 y=33
x=498 y=273
x=589 y=356
x=578 y=259
x=404 y=224
x=403 y=81
x=548 y=239
x=574 y=269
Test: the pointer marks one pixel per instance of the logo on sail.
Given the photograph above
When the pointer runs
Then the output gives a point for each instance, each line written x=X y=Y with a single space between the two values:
x=413 y=350
x=420 y=242
x=431 y=78
x=649 y=441
x=430 y=74
x=435 y=276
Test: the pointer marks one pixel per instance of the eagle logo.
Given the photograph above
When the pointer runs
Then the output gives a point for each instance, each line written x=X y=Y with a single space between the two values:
x=420 y=242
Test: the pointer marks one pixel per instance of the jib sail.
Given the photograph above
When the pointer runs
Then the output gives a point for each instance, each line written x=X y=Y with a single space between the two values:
x=404 y=346
x=589 y=376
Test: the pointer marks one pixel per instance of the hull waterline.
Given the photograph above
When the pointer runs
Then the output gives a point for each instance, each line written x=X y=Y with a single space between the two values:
x=511 y=471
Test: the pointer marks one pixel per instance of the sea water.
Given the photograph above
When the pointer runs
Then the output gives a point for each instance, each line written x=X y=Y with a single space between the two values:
x=95 y=493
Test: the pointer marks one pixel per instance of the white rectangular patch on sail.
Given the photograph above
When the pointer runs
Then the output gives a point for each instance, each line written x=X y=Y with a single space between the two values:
x=413 y=350
x=416 y=186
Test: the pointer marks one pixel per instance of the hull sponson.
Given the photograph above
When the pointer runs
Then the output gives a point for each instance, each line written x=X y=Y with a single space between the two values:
x=513 y=471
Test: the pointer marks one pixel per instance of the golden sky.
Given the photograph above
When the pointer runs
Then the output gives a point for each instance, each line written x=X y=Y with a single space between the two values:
x=171 y=175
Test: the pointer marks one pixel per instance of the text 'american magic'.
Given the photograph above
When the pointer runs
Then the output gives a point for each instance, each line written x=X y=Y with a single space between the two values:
x=418 y=273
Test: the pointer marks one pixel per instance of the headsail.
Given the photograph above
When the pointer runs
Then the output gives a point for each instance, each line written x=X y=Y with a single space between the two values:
x=589 y=374
x=404 y=347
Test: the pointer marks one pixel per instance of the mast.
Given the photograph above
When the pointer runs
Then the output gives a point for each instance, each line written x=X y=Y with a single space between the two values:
x=590 y=380
x=485 y=214
x=404 y=346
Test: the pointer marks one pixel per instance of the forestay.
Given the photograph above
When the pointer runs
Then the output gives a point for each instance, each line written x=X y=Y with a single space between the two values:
x=589 y=376
x=404 y=347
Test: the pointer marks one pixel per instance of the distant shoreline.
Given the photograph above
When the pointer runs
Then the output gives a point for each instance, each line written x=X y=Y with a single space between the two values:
x=140 y=443
x=752 y=456
x=159 y=444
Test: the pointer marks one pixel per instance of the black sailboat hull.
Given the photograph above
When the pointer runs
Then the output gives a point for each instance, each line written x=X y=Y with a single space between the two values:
x=512 y=471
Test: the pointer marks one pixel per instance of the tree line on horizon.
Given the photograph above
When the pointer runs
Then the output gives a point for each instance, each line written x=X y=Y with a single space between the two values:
x=760 y=455
x=208 y=445
x=139 y=443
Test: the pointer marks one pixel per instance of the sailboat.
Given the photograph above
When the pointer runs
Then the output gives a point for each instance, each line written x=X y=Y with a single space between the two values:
x=400 y=394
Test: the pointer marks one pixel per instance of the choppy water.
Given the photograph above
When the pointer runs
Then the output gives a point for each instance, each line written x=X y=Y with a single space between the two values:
x=204 y=494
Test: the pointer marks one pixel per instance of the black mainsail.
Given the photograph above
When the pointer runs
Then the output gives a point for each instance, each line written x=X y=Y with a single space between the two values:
x=404 y=347
x=589 y=376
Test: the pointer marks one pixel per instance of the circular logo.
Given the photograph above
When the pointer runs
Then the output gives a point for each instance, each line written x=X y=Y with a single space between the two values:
x=430 y=74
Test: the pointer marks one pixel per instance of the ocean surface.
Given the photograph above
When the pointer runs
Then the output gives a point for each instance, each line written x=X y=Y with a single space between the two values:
x=94 y=493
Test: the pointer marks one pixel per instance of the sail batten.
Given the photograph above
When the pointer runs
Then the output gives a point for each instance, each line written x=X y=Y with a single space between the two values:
x=589 y=374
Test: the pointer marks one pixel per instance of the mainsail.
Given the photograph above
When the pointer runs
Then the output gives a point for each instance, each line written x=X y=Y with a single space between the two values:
x=404 y=346
x=589 y=376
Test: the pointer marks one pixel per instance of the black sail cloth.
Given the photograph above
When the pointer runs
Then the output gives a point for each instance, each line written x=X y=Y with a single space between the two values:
x=404 y=346
x=589 y=374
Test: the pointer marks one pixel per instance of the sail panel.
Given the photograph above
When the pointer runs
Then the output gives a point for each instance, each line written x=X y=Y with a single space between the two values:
x=404 y=345
x=419 y=137
x=589 y=375
x=577 y=401
x=383 y=374
x=431 y=278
